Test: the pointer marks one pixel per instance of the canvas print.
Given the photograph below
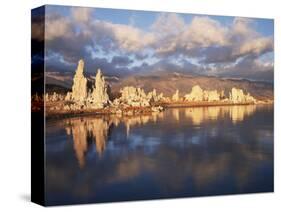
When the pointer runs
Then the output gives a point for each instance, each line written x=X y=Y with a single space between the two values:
x=140 y=105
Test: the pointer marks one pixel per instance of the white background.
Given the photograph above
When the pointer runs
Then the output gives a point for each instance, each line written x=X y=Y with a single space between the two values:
x=15 y=104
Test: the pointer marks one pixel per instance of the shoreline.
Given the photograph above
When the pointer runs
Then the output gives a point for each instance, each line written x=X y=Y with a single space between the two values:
x=131 y=111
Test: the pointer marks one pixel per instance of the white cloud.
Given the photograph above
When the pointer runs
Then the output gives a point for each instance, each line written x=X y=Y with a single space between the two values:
x=57 y=27
x=243 y=27
x=81 y=14
x=168 y=24
x=124 y=36
x=201 y=32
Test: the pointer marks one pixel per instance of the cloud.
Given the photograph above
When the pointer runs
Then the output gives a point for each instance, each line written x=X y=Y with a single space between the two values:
x=37 y=25
x=247 y=68
x=57 y=26
x=242 y=28
x=122 y=36
x=81 y=15
x=201 y=32
x=208 y=40
x=256 y=46
x=168 y=24
x=37 y=31
x=204 y=32
x=121 y=61
x=69 y=35
x=69 y=48
x=217 y=48
x=168 y=66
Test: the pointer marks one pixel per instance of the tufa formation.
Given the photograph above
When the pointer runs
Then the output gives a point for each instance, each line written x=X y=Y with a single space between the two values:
x=81 y=98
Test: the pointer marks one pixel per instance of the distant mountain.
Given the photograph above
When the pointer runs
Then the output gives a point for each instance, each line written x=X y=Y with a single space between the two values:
x=169 y=82
x=59 y=79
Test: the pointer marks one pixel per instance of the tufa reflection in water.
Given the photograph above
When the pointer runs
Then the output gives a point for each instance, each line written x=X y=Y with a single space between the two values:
x=84 y=128
x=95 y=130
x=199 y=114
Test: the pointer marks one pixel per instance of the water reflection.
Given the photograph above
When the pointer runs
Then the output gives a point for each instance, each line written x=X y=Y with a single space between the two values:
x=236 y=113
x=83 y=129
x=86 y=130
x=96 y=129
x=180 y=152
x=176 y=114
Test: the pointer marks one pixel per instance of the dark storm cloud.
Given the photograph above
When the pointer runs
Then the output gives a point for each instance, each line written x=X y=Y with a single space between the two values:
x=69 y=48
x=121 y=61
x=224 y=54
x=55 y=63
x=92 y=64
x=218 y=54
x=167 y=66
x=258 y=70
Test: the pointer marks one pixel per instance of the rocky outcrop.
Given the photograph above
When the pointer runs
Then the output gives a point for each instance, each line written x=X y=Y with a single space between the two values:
x=53 y=97
x=176 y=96
x=154 y=97
x=81 y=98
x=237 y=96
x=132 y=100
x=211 y=96
x=79 y=88
x=195 y=95
x=99 y=97
x=134 y=97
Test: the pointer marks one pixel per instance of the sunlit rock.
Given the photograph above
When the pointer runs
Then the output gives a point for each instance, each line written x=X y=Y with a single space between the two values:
x=99 y=97
x=176 y=96
x=250 y=98
x=196 y=94
x=154 y=97
x=53 y=97
x=238 y=96
x=211 y=96
x=79 y=88
x=222 y=95
x=46 y=97
x=134 y=97
x=68 y=96
x=36 y=97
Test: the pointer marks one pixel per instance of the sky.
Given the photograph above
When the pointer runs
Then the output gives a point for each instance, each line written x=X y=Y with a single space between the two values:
x=123 y=42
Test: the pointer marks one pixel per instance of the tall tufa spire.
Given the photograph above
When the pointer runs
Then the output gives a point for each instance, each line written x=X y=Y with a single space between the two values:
x=79 y=88
x=99 y=94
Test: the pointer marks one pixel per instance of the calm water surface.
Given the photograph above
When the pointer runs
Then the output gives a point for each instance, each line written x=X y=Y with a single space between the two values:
x=177 y=153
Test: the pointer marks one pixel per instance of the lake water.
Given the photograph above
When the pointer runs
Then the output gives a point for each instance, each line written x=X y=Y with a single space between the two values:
x=181 y=152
